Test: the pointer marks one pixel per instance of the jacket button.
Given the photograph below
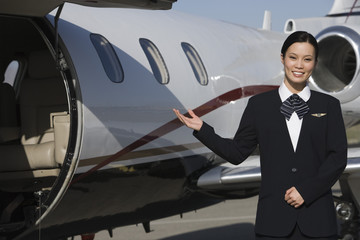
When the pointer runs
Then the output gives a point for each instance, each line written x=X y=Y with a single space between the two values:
x=294 y=170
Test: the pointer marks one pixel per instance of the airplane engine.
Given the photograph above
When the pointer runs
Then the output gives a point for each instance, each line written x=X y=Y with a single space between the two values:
x=337 y=71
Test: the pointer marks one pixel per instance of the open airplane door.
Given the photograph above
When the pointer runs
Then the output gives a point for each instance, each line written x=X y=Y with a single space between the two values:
x=40 y=119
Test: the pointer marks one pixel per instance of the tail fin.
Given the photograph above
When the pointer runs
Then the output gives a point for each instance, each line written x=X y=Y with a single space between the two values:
x=345 y=8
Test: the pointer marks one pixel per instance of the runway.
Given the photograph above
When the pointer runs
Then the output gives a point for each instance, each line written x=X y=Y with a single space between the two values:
x=230 y=220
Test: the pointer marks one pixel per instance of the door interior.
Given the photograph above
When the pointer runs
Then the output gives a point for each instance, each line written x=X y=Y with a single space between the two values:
x=34 y=119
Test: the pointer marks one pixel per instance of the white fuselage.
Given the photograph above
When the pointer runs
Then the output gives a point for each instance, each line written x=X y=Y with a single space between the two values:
x=117 y=114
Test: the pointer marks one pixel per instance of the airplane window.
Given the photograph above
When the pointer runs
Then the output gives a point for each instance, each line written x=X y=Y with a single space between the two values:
x=156 y=61
x=196 y=63
x=108 y=57
x=11 y=71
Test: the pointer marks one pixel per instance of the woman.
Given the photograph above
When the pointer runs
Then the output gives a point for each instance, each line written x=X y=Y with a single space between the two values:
x=303 y=148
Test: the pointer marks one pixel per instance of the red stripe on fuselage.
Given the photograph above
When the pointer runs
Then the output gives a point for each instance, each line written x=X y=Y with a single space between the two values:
x=207 y=107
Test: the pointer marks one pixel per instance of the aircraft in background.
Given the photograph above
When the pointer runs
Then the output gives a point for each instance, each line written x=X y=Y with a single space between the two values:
x=88 y=138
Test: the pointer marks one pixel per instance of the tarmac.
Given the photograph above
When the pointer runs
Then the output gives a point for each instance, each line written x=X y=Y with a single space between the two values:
x=230 y=220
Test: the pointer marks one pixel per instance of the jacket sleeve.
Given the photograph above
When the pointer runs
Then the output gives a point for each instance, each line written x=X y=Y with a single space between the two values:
x=336 y=158
x=234 y=150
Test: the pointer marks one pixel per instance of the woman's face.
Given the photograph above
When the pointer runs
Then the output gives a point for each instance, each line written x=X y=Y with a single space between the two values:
x=299 y=62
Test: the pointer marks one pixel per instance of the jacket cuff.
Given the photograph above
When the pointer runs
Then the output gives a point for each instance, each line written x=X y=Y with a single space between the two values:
x=203 y=132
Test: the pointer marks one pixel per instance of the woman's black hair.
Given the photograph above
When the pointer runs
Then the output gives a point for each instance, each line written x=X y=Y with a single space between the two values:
x=300 y=36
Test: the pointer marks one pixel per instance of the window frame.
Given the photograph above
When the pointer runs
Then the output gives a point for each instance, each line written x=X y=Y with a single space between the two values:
x=156 y=61
x=108 y=57
x=196 y=63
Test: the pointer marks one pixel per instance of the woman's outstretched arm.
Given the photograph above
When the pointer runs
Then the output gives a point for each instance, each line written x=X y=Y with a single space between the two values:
x=234 y=150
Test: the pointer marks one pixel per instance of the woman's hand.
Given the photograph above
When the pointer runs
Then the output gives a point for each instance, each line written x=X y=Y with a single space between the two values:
x=194 y=122
x=293 y=197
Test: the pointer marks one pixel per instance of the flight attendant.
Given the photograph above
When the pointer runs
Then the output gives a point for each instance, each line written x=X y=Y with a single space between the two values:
x=303 y=148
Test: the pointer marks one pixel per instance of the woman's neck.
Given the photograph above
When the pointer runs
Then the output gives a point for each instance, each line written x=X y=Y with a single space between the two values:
x=295 y=87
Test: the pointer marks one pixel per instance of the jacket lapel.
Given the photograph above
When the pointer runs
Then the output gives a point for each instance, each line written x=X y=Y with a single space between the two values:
x=284 y=134
x=305 y=125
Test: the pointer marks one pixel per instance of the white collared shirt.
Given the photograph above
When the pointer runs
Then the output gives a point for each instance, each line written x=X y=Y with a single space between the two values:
x=294 y=123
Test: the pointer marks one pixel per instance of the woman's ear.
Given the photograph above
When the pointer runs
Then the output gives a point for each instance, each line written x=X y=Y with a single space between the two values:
x=282 y=58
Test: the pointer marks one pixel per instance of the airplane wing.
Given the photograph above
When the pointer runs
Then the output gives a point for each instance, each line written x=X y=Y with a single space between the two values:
x=353 y=160
x=244 y=180
x=232 y=181
x=40 y=8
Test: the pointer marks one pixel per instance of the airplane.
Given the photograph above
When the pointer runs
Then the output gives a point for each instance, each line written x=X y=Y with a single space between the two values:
x=88 y=138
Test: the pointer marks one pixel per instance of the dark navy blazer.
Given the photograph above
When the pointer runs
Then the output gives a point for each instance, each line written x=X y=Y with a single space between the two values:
x=319 y=160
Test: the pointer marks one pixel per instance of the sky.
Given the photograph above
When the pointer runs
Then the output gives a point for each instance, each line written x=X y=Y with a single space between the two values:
x=251 y=12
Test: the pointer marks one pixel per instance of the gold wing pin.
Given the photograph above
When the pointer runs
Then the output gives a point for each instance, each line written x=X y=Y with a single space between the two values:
x=318 y=114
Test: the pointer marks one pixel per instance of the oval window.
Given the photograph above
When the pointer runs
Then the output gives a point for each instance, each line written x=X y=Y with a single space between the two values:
x=156 y=61
x=196 y=63
x=108 y=57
